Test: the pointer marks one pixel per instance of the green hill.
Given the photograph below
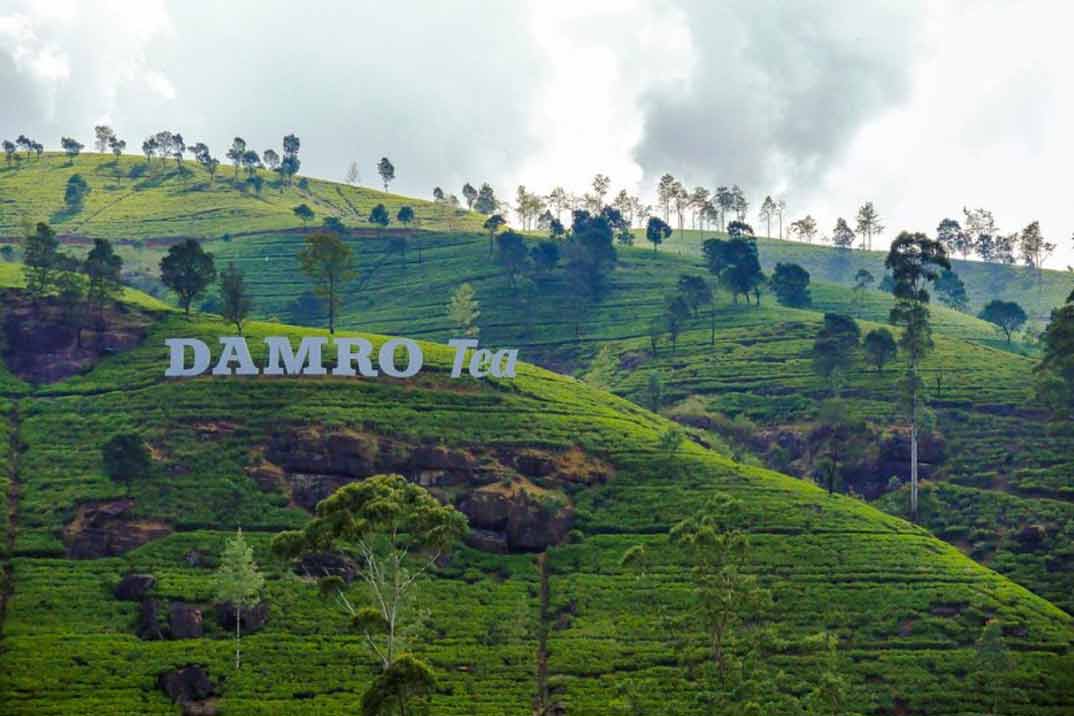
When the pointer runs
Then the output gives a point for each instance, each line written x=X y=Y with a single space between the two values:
x=906 y=607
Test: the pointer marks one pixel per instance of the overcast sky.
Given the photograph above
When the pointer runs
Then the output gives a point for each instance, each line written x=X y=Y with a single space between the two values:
x=922 y=109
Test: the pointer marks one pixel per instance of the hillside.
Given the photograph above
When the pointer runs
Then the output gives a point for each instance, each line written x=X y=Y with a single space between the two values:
x=906 y=607
x=131 y=200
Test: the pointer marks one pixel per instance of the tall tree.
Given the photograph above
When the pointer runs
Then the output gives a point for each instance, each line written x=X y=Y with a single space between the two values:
x=915 y=261
x=512 y=255
x=835 y=349
x=353 y=175
x=766 y=213
x=464 y=310
x=806 y=228
x=681 y=202
x=126 y=458
x=71 y=147
x=559 y=201
x=590 y=252
x=329 y=263
x=304 y=213
x=492 y=225
x=102 y=134
x=734 y=261
x=236 y=152
x=41 y=256
x=601 y=184
x=951 y=291
x=188 y=270
x=102 y=268
x=469 y=195
x=1008 y=316
x=725 y=201
x=236 y=301
x=665 y=192
x=1055 y=373
x=9 y=151
x=379 y=217
x=868 y=225
x=790 y=283
x=842 y=234
x=740 y=205
x=238 y=581
x=387 y=171
x=879 y=348
x=656 y=232
x=75 y=192
x=290 y=164
x=271 y=159
x=1034 y=251
x=486 y=200
x=780 y=209
x=863 y=279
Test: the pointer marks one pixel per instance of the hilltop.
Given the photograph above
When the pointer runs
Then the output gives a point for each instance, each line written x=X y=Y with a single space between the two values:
x=906 y=607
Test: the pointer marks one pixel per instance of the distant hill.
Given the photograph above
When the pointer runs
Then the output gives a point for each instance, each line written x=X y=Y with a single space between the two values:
x=907 y=608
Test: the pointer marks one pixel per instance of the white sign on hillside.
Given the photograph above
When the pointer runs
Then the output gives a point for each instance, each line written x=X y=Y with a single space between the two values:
x=354 y=357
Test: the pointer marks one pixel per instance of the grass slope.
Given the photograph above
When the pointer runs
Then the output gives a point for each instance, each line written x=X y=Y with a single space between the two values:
x=134 y=201
x=906 y=606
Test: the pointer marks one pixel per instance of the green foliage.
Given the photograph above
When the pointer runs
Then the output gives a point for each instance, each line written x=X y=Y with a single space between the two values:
x=464 y=310
x=879 y=348
x=790 y=283
x=126 y=458
x=187 y=270
x=735 y=264
x=40 y=251
x=75 y=193
x=836 y=346
x=407 y=679
x=1056 y=370
x=1006 y=315
x=656 y=231
x=238 y=581
x=236 y=302
x=951 y=290
x=329 y=263
x=102 y=267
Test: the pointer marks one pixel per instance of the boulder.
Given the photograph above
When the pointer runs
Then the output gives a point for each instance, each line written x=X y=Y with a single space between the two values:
x=326 y=564
x=251 y=618
x=529 y=523
x=488 y=541
x=186 y=685
x=149 y=621
x=134 y=587
x=103 y=529
x=185 y=621
x=1031 y=536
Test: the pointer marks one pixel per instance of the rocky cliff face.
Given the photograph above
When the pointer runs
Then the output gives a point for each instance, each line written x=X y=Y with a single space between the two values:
x=514 y=500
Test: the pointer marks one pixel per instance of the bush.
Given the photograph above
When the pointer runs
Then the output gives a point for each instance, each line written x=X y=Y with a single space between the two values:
x=125 y=458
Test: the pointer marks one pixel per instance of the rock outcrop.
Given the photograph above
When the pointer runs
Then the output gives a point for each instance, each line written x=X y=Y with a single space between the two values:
x=251 y=618
x=189 y=687
x=185 y=621
x=134 y=587
x=105 y=529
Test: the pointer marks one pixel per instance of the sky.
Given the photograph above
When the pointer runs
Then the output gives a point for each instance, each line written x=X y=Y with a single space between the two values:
x=921 y=108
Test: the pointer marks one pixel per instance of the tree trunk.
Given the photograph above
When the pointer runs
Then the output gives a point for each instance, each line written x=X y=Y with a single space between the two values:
x=913 y=459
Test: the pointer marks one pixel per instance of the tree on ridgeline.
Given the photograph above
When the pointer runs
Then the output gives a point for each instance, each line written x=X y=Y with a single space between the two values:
x=806 y=228
x=1034 y=250
x=665 y=192
x=1008 y=316
x=236 y=303
x=790 y=283
x=485 y=203
x=75 y=192
x=601 y=184
x=915 y=261
x=126 y=458
x=329 y=263
x=836 y=348
x=25 y=143
x=512 y=255
x=271 y=159
x=951 y=291
x=103 y=134
x=1055 y=372
x=290 y=163
x=699 y=199
x=396 y=532
x=590 y=253
x=102 y=268
x=492 y=225
x=71 y=147
x=378 y=216
x=842 y=234
x=879 y=348
x=236 y=152
x=387 y=171
x=950 y=234
x=681 y=201
x=117 y=146
x=980 y=229
x=353 y=175
x=725 y=202
x=149 y=149
x=868 y=225
x=657 y=231
x=188 y=270
x=780 y=209
x=304 y=213
x=178 y=148
x=469 y=195
x=41 y=257
x=734 y=261
x=740 y=204
x=766 y=213
x=238 y=582
x=464 y=310
x=251 y=161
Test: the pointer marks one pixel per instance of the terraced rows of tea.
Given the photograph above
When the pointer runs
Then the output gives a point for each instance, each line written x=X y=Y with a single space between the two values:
x=906 y=606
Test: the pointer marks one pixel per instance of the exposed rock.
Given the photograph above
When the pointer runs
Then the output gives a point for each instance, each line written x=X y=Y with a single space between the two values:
x=948 y=610
x=185 y=621
x=307 y=490
x=326 y=564
x=529 y=522
x=149 y=621
x=186 y=685
x=488 y=541
x=251 y=618
x=348 y=454
x=1031 y=536
x=43 y=344
x=102 y=529
x=134 y=587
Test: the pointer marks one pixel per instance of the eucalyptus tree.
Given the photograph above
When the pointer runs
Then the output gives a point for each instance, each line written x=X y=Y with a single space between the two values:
x=868 y=225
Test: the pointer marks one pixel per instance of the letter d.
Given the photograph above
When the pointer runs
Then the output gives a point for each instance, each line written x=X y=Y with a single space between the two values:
x=177 y=357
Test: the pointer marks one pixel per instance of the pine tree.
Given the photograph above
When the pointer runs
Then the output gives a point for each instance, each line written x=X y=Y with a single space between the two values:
x=238 y=581
x=464 y=310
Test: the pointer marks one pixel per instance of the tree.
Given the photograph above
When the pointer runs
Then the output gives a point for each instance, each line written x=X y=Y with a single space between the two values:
x=329 y=263
x=879 y=348
x=236 y=301
x=492 y=225
x=178 y=147
x=665 y=192
x=486 y=200
x=353 y=176
x=836 y=347
x=188 y=270
x=70 y=290
x=125 y=458
x=806 y=228
x=601 y=184
x=766 y=213
x=290 y=164
x=739 y=203
x=914 y=261
x=469 y=194
x=251 y=161
x=681 y=199
x=676 y=313
x=102 y=135
x=397 y=531
x=992 y=662
x=464 y=310
x=25 y=143
x=1034 y=251
x=950 y=234
x=408 y=678
x=656 y=231
x=1055 y=373
x=512 y=255
x=75 y=192
x=271 y=159
x=863 y=279
x=236 y=152
x=868 y=225
x=238 y=582
x=405 y=215
x=304 y=213
x=1008 y=316
x=842 y=235
x=590 y=251
x=790 y=283
x=9 y=151
x=379 y=216
x=545 y=256
x=71 y=147
x=734 y=261
x=387 y=171
x=834 y=435
x=558 y=200
x=102 y=268
x=40 y=254
x=951 y=291
x=727 y=597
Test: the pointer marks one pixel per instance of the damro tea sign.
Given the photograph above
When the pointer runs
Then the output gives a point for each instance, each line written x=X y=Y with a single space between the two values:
x=397 y=358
